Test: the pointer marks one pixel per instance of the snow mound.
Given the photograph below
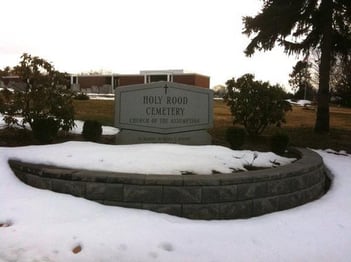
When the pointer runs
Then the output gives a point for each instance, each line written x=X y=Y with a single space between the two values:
x=149 y=158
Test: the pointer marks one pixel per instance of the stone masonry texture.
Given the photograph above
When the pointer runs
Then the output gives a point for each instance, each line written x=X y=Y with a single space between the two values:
x=217 y=196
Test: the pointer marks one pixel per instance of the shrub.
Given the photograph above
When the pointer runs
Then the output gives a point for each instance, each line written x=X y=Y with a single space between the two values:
x=45 y=95
x=279 y=143
x=256 y=104
x=81 y=96
x=92 y=130
x=236 y=137
x=45 y=129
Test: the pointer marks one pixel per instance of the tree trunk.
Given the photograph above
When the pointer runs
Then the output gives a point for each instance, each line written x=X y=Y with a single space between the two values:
x=322 y=119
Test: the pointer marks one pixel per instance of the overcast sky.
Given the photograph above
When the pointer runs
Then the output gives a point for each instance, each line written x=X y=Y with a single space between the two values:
x=126 y=36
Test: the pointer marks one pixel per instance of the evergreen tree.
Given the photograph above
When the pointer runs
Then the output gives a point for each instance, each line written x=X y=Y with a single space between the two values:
x=341 y=80
x=5 y=72
x=256 y=104
x=300 y=80
x=300 y=26
x=45 y=98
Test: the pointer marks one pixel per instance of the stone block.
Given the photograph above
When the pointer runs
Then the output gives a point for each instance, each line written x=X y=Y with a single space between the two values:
x=265 y=205
x=68 y=187
x=142 y=194
x=313 y=177
x=217 y=196
x=173 y=194
x=291 y=200
x=26 y=167
x=166 y=180
x=59 y=173
x=211 y=194
x=114 y=192
x=285 y=186
x=318 y=189
x=95 y=191
x=250 y=191
x=125 y=178
x=307 y=179
x=38 y=182
x=234 y=179
x=317 y=176
x=201 y=180
x=171 y=209
x=239 y=209
x=203 y=211
x=122 y=204
x=228 y=193
x=89 y=176
x=21 y=175
x=307 y=195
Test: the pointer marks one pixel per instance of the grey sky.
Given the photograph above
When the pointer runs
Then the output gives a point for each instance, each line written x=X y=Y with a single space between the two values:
x=128 y=36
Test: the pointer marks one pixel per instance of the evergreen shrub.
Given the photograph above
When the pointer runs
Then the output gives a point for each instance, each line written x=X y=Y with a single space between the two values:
x=92 y=130
x=279 y=143
x=236 y=137
x=45 y=129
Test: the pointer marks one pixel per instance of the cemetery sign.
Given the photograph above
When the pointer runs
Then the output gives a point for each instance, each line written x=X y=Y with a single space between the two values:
x=163 y=107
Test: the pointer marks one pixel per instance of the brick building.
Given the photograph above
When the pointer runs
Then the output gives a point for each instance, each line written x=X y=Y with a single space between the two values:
x=107 y=83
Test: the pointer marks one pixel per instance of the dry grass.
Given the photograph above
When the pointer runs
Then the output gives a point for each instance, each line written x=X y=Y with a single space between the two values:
x=100 y=110
x=299 y=126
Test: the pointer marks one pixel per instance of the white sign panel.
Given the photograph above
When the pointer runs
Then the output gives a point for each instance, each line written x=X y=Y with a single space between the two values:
x=163 y=107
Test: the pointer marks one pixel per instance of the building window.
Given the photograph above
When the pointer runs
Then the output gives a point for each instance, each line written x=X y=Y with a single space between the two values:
x=156 y=78
x=74 y=80
x=108 y=80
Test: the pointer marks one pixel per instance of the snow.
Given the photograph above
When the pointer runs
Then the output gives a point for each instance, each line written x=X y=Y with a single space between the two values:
x=149 y=158
x=301 y=102
x=106 y=130
x=40 y=225
x=77 y=129
x=95 y=96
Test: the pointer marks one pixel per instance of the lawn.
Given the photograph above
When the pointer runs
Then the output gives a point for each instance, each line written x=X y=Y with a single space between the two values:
x=299 y=126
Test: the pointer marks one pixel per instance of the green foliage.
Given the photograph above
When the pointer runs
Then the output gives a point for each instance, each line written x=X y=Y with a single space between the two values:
x=45 y=129
x=308 y=21
x=46 y=95
x=341 y=80
x=300 y=80
x=5 y=96
x=255 y=104
x=6 y=71
x=236 y=137
x=92 y=130
x=302 y=26
x=9 y=107
x=279 y=143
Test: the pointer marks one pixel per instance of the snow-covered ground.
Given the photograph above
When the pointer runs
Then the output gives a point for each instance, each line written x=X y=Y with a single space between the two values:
x=148 y=158
x=40 y=225
x=95 y=96
x=301 y=102
x=106 y=130
x=77 y=129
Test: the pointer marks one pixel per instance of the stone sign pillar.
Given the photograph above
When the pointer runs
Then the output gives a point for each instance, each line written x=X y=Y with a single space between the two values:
x=163 y=112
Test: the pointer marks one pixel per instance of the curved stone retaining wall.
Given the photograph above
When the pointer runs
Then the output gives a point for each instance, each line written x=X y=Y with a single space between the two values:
x=218 y=196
